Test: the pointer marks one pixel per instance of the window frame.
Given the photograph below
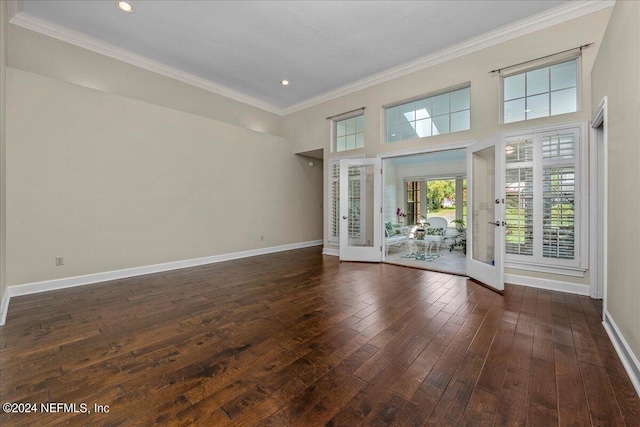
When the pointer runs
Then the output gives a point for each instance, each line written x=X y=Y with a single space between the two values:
x=449 y=90
x=523 y=70
x=334 y=130
x=413 y=208
x=537 y=262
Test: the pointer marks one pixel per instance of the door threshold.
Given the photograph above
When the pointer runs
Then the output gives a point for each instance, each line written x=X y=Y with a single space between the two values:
x=435 y=270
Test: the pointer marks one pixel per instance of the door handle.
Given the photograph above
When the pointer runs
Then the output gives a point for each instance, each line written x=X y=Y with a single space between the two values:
x=344 y=217
x=497 y=223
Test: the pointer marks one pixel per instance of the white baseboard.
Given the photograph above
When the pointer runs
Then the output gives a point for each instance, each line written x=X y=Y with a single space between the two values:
x=330 y=251
x=628 y=359
x=552 y=285
x=68 y=282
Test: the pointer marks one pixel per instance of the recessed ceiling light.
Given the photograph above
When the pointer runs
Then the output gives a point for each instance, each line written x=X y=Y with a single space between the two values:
x=124 y=6
x=284 y=82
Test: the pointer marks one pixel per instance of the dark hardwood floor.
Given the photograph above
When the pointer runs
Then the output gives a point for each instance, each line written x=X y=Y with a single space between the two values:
x=297 y=338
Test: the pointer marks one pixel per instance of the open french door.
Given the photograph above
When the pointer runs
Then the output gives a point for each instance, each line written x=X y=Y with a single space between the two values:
x=360 y=210
x=485 y=213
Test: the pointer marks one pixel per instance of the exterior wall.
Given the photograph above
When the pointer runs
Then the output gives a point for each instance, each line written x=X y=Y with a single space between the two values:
x=615 y=75
x=309 y=128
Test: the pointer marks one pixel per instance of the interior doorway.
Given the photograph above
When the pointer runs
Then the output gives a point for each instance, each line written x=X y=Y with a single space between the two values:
x=425 y=210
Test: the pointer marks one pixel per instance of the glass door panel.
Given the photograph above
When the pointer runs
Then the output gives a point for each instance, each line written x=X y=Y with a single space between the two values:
x=360 y=218
x=485 y=217
x=484 y=228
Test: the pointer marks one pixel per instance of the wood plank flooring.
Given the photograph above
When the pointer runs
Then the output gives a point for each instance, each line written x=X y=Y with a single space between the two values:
x=299 y=339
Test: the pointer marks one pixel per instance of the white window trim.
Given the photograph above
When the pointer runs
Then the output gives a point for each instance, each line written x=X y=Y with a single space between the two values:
x=579 y=265
x=514 y=71
x=331 y=239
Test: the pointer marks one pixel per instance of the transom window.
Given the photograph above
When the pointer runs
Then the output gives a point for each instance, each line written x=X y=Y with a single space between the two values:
x=541 y=92
x=349 y=132
x=430 y=116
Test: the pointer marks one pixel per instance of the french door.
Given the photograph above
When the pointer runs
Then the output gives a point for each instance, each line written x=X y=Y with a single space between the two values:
x=360 y=210
x=485 y=213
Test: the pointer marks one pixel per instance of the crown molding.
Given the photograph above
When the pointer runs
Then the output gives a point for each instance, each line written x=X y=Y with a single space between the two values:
x=82 y=40
x=557 y=15
x=571 y=10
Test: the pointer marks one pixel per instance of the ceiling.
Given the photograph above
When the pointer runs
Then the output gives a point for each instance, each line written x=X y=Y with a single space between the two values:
x=244 y=49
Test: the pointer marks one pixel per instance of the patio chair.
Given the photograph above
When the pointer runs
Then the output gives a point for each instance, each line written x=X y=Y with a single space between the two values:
x=437 y=230
x=392 y=239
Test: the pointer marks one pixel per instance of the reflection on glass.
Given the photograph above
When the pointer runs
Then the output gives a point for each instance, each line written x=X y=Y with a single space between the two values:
x=483 y=206
x=460 y=121
x=537 y=106
x=563 y=101
x=360 y=200
x=423 y=127
x=440 y=125
x=448 y=112
x=441 y=104
x=393 y=133
x=514 y=110
x=393 y=116
x=423 y=109
x=546 y=91
x=407 y=112
x=564 y=75
x=514 y=87
x=460 y=100
x=407 y=131
x=537 y=81
x=349 y=133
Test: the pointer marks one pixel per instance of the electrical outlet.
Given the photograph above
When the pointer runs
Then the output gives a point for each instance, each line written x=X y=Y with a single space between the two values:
x=59 y=261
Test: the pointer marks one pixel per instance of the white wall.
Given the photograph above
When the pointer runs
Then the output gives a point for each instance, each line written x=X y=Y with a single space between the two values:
x=110 y=182
x=616 y=75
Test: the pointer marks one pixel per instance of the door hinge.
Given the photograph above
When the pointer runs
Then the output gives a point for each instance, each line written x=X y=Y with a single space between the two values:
x=381 y=209
x=380 y=171
x=380 y=248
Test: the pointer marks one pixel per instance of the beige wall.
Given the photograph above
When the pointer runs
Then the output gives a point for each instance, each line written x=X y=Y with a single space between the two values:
x=309 y=129
x=3 y=62
x=40 y=54
x=616 y=75
x=111 y=182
